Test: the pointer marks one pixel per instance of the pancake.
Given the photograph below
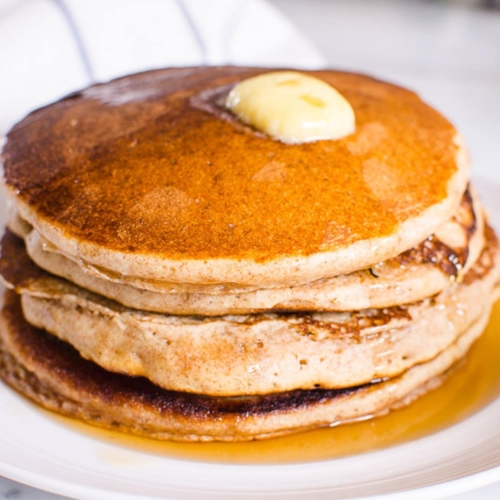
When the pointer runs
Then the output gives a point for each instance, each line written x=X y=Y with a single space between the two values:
x=53 y=374
x=178 y=274
x=210 y=200
x=414 y=275
x=258 y=353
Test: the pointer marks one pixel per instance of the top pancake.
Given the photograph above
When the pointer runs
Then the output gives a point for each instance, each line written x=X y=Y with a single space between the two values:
x=149 y=176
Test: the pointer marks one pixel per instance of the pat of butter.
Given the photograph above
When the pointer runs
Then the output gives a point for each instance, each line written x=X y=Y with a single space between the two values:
x=292 y=107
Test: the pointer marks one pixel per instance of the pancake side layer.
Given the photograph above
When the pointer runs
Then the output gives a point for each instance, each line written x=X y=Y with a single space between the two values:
x=418 y=273
x=262 y=353
x=52 y=373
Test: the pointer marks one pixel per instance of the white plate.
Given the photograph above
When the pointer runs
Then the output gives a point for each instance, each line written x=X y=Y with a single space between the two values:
x=36 y=450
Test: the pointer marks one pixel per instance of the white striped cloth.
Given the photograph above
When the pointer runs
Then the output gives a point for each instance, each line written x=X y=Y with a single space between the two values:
x=49 y=48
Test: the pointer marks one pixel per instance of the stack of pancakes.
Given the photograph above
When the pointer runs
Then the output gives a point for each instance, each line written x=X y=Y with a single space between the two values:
x=176 y=274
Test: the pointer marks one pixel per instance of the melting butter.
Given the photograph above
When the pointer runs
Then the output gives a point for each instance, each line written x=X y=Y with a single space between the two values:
x=292 y=107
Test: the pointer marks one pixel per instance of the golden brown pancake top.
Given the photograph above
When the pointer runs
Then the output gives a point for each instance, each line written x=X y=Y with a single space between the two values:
x=152 y=163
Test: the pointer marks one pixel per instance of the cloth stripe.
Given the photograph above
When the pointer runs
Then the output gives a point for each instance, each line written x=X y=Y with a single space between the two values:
x=76 y=37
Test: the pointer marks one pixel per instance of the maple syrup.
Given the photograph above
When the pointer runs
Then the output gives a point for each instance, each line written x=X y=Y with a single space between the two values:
x=470 y=386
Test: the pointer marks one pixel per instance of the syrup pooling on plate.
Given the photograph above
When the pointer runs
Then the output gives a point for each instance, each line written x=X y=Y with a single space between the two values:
x=465 y=389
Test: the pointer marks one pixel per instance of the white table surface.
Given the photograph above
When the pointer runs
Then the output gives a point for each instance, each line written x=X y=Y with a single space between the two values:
x=447 y=51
